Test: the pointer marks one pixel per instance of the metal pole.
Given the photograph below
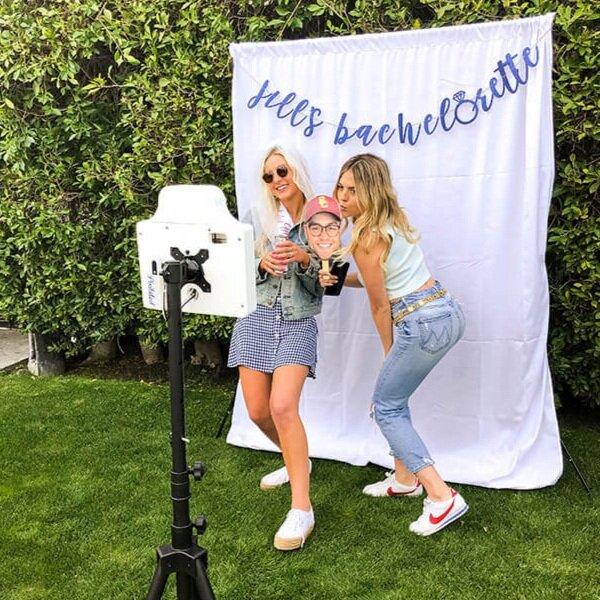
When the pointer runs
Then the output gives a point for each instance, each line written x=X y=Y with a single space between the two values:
x=183 y=556
x=181 y=529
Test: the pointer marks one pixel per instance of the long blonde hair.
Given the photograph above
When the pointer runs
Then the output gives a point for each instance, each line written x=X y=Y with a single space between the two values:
x=377 y=202
x=266 y=211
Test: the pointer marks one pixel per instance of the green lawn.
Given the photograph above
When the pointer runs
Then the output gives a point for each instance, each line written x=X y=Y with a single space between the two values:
x=84 y=502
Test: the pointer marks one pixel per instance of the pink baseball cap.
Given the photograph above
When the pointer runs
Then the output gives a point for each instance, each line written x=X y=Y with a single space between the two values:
x=319 y=204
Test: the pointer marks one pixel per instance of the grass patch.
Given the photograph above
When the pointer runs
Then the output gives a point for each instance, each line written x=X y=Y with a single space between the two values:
x=84 y=502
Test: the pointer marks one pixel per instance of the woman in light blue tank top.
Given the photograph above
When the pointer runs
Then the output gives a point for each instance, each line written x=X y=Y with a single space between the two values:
x=417 y=321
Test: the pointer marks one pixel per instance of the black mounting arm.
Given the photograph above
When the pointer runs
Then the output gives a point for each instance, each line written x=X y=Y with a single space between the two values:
x=192 y=270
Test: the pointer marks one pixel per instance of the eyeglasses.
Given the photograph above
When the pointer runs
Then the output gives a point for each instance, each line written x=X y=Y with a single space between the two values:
x=282 y=171
x=332 y=229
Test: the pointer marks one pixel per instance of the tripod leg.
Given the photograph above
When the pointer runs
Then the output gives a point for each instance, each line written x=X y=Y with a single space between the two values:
x=159 y=580
x=583 y=480
x=184 y=587
x=226 y=416
x=194 y=590
x=202 y=584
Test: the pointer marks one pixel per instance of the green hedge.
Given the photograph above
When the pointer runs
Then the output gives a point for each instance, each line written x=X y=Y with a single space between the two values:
x=104 y=103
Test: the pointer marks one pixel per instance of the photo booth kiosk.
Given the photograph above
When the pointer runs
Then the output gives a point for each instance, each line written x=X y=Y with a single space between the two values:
x=194 y=220
x=193 y=256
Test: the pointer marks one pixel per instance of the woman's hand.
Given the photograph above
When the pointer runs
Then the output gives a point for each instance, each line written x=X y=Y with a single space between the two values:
x=326 y=279
x=288 y=252
x=272 y=264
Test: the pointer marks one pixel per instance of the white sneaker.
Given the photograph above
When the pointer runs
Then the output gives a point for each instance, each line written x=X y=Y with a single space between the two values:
x=390 y=487
x=436 y=515
x=277 y=478
x=292 y=534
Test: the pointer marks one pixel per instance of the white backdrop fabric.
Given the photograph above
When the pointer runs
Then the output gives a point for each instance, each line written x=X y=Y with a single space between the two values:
x=463 y=116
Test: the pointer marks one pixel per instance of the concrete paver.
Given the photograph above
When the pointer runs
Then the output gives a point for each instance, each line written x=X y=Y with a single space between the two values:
x=14 y=347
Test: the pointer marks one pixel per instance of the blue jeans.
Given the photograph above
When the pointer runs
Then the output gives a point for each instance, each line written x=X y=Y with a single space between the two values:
x=421 y=339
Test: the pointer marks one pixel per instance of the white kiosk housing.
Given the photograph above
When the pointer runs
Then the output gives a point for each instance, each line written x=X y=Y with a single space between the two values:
x=193 y=219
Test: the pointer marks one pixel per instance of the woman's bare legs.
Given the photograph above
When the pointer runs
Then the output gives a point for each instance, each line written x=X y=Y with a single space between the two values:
x=272 y=401
x=256 y=387
x=286 y=387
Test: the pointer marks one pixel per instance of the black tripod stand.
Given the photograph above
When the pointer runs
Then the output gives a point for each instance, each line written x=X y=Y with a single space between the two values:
x=182 y=556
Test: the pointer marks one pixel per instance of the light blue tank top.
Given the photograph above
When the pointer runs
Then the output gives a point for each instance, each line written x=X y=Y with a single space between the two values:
x=406 y=270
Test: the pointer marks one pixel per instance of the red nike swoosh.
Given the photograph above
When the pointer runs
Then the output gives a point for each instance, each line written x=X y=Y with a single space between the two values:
x=391 y=492
x=435 y=520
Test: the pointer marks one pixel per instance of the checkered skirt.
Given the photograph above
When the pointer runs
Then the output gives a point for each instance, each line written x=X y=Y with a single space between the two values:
x=264 y=340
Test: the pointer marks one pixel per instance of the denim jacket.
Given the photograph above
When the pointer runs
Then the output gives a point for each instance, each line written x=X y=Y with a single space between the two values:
x=300 y=292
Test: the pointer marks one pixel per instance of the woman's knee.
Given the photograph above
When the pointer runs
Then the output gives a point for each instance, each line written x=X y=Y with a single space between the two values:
x=384 y=412
x=283 y=412
x=259 y=415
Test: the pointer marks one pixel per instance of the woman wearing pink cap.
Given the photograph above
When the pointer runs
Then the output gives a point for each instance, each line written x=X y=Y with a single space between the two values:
x=275 y=347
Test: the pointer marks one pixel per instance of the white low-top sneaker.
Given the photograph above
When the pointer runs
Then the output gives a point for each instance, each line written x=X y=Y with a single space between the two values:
x=436 y=515
x=292 y=534
x=277 y=478
x=390 y=487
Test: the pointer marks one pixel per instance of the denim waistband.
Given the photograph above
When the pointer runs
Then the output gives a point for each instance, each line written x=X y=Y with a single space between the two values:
x=413 y=297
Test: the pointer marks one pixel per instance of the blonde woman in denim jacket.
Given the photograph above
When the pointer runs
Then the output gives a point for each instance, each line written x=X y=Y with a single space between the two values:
x=418 y=321
x=275 y=348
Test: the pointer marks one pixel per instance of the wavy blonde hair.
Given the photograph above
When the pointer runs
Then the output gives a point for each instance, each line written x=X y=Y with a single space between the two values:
x=268 y=209
x=377 y=202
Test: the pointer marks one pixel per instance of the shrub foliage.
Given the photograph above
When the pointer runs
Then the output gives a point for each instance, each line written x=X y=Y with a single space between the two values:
x=104 y=103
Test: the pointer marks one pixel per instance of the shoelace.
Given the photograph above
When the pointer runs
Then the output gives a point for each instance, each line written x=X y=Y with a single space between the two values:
x=295 y=520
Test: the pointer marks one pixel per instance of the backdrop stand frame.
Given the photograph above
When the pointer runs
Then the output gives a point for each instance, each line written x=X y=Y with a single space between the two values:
x=226 y=415
x=583 y=480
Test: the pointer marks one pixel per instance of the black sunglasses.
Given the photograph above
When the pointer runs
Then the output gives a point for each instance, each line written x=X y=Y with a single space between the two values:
x=281 y=170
